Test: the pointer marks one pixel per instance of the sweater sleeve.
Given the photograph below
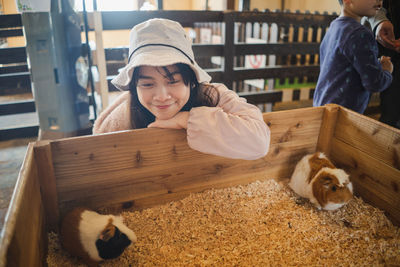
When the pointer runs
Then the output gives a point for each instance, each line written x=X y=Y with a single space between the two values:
x=115 y=117
x=361 y=49
x=233 y=129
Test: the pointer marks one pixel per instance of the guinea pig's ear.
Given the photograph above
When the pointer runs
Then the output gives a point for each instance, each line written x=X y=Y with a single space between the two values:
x=107 y=233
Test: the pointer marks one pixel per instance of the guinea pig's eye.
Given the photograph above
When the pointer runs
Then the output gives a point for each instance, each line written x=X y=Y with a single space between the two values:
x=333 y=188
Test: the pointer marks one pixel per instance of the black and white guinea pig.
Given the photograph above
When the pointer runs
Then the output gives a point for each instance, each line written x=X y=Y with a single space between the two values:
x=94 y=237
x=316 y=178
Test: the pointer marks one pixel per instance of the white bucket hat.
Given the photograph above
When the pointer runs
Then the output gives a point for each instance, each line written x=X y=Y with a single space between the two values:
x=158 y=42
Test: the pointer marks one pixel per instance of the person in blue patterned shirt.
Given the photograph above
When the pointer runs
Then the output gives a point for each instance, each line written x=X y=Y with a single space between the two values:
x=350 y=68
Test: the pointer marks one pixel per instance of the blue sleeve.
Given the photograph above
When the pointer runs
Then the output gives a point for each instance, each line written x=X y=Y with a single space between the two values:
x=361 y=49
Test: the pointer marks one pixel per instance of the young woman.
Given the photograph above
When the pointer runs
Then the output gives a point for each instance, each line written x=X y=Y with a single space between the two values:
x=166 y=88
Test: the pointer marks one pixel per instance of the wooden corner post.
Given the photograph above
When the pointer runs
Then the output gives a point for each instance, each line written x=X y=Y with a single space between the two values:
x=327 y=129
x=47 y=180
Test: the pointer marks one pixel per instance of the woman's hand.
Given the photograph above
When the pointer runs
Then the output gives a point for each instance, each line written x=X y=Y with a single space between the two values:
x=179 y=121
x=385 y=36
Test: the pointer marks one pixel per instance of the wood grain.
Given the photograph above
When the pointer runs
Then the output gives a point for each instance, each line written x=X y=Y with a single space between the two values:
x=154 y=165
x=382 y=178
x=379 y=140
x=294 y=124
x=24 y=237
x=376 y=182
x=171 y=181
x=47 y=181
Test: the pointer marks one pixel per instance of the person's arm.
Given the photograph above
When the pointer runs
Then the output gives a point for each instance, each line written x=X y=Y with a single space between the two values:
x=361 y=50
x=179 y=121
x=384 y=32
x=233 y=129
x=115 y=117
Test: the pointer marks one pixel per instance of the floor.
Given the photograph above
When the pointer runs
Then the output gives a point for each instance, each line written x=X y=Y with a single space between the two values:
x=12 y=154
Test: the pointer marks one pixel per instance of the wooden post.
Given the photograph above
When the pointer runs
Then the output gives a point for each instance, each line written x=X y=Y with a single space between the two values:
x=327 y=128
x=160 y=5
x=229 y=50
x=272 y=58
x=101 y=59
x=47 y=180
x=244 y=5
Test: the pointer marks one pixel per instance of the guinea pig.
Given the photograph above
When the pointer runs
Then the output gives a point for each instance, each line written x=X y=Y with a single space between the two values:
x=94 y=237
x=316 y=178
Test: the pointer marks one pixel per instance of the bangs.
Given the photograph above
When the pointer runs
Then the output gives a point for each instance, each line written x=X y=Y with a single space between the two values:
x=186 y=72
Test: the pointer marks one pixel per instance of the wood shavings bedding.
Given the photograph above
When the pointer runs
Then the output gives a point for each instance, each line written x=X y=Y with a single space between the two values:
x=263 y=223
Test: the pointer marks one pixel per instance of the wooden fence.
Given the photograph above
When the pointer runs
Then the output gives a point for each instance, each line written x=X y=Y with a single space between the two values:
x=14 y=79
x=288 y=43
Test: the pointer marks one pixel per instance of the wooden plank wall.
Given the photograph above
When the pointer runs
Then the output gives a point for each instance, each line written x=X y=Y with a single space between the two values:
x=24 y=235
x=141 y=168
x=370 y=151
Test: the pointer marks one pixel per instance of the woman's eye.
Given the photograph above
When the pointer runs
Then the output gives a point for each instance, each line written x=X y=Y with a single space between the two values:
x=145 y=85
x=174 y=82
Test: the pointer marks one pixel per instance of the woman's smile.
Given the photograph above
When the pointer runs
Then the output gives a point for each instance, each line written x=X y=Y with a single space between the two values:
x=163 y=106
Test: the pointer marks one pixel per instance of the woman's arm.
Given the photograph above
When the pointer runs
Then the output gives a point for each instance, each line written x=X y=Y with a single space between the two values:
x=115 y=117
x=384 y=31
x=233 y=129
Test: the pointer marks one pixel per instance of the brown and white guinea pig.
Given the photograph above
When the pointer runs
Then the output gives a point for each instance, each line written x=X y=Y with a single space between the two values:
x=316 y=178
x=94 y=237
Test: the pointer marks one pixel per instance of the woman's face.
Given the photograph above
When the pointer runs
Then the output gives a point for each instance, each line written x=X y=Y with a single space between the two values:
x=163 y=95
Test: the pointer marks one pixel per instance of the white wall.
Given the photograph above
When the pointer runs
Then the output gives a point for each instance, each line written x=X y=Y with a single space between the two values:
x=178 y=5
x=265 y=4
x=313 y=5
x=303 y=5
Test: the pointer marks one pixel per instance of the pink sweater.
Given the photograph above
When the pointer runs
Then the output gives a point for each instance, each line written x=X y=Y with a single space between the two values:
x=233 y=129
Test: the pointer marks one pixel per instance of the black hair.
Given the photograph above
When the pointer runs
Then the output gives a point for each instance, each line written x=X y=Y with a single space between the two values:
x=200 y=95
